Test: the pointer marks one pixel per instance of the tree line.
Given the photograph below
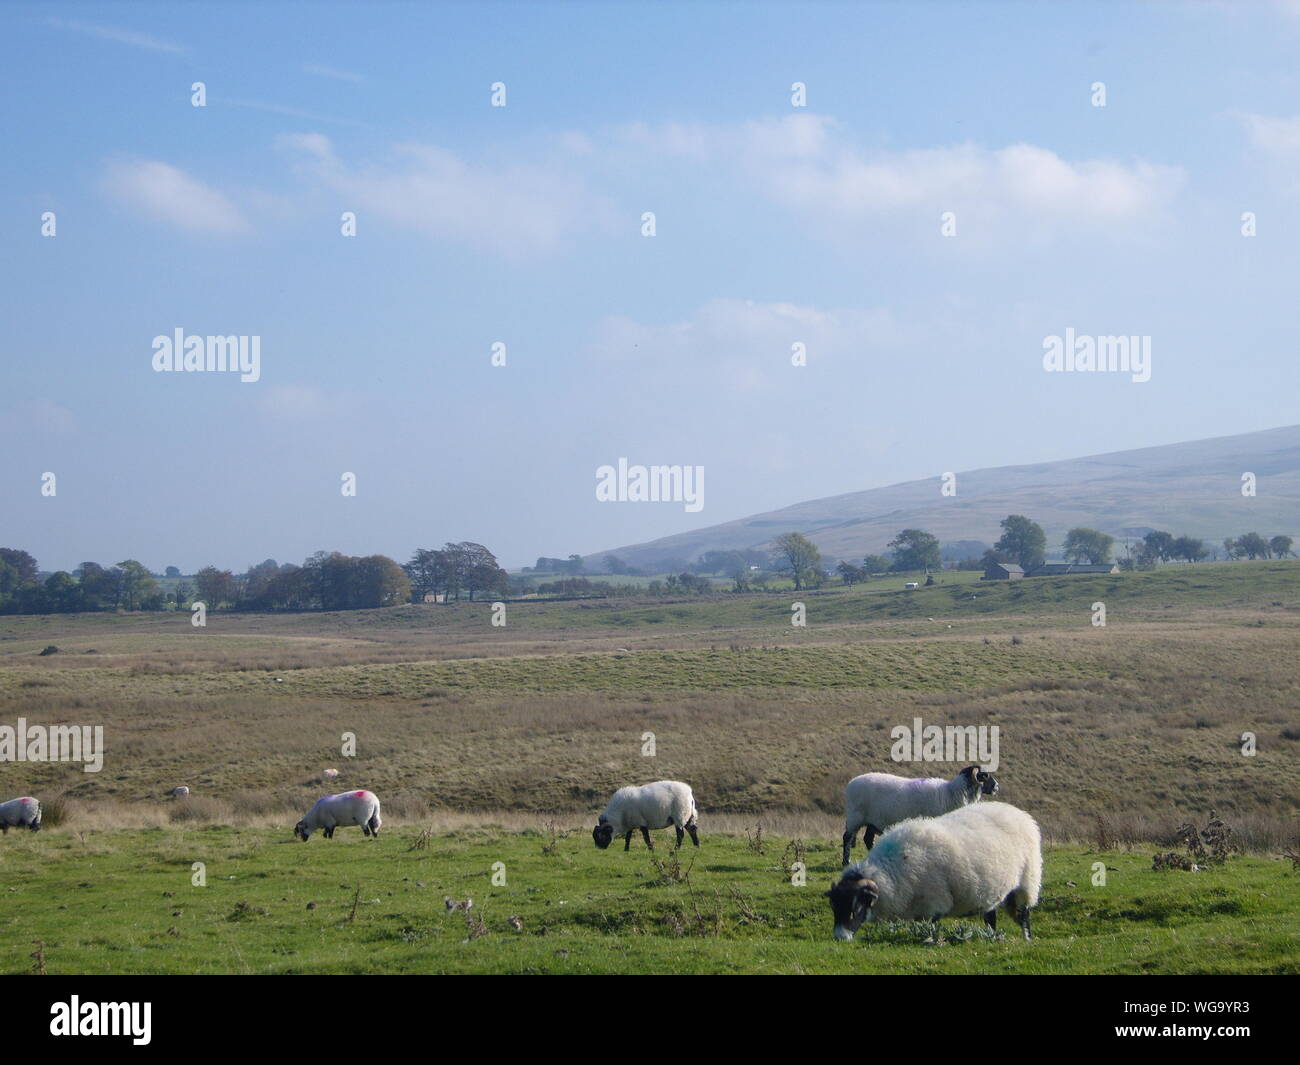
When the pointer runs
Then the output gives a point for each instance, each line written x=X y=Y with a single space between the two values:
x=327 y=580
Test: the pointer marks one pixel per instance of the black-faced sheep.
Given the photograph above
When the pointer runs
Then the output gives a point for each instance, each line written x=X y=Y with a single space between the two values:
x=877 y=801
x=650 y=806
x=347 y=808
x=970 y=861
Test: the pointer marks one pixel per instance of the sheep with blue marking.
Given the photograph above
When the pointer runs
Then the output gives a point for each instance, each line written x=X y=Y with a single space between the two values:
x=967 y=862
x=877 y=801
x=650 y=806
x=347 y=808
x=24 y=812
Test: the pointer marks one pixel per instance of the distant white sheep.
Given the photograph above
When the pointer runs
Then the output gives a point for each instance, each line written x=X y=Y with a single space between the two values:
x=875 y=801
x=347 y=808
x=179 y=792
x=650 y=806
x=967 y=862
x=330 y=774
x=20 y=813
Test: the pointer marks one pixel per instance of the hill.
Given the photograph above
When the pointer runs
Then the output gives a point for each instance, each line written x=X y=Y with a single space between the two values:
x=1191 y=488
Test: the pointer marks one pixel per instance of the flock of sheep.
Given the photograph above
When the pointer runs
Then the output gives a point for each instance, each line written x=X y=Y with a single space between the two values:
x=940 y=852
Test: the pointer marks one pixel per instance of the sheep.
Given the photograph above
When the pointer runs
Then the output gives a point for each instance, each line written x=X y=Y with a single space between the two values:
x=347 y=808
x=965 y=862
x=330 y=774
x=20 y=813
x=876 y=801
x=179 y=792
x=650 y=806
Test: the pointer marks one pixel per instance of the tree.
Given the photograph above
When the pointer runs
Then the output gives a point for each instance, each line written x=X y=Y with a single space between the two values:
x=62 y=593
x=215 y=586
x=875 y=564
x=17 y=569
x=914 y=549
x=1188 y=548
x=1253 y=546
x=1280 y=546
x=377 y=581
x=850 y=574
x=1088 y=545
x=171 y=571
x=1022 y=541
x=137 y=584
x=798 y=555
x=1231 y=549
x=615 y=565
x=1159 y=544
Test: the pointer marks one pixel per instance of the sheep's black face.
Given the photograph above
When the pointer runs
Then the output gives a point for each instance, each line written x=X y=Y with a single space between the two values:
x=300 y=830
x=851 y=902
x=988 y=785
x=603 y=835
x=35 y=826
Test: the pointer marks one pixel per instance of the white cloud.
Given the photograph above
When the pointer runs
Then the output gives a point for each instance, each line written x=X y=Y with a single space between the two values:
x=517 y=210
x=116 y=35
x=168 y=194
x=747 y=344
x=1276 y=136
x=811 y=164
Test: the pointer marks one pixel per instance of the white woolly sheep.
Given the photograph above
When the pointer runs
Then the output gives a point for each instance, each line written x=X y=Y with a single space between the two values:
x=20 y=813
x=330 y=774
x=876 y=801
x=650 y=806
x=966 y=862
x=347 y=808
x=179 y=792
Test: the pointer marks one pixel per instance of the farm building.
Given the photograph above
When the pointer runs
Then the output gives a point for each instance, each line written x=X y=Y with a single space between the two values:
x=1058 y=569
x=1003 y=571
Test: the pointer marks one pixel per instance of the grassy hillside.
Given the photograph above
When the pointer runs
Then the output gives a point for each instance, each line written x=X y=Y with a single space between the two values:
x=1191 y=488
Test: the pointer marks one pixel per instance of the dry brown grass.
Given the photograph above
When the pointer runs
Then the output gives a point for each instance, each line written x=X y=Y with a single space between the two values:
x=1142 y=722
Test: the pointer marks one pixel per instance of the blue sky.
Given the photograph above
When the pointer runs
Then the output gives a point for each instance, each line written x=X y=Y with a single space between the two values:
x=522 y=224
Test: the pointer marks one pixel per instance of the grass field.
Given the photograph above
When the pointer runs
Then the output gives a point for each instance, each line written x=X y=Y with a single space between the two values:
x=1111 y=736
x=123 y=902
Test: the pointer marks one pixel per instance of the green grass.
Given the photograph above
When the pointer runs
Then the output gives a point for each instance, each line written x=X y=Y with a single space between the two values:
x=122 y=902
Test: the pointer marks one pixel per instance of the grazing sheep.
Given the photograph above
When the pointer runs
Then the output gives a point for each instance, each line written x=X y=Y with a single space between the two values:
x=650 y=806
x=347 y=808
x=330 y=774
x=20 y=813
x=179 y=792
x=966 y=862
x=875 y=801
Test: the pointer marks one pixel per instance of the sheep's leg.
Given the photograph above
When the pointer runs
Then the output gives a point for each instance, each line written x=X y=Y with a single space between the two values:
x=648 y=841
x=1023 y=918
x=869 y=836
x=991 y=919
x=695 y=835
x=850 y=837
x=5 y=829
x=627 y=842
x=681 y=834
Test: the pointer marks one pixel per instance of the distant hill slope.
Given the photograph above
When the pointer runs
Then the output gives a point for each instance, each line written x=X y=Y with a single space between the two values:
x=1189 y=489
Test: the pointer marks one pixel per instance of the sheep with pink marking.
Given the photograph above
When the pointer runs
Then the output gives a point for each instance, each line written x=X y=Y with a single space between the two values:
x=334 y=811
x=20 y=813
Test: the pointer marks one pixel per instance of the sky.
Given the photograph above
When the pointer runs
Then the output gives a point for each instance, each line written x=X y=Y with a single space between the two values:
x=947 y=194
